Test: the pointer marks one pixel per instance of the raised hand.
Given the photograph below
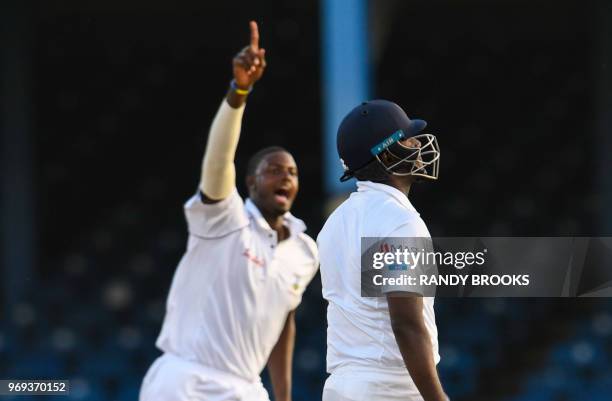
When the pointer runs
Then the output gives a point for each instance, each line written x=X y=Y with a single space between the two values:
x=250 y=63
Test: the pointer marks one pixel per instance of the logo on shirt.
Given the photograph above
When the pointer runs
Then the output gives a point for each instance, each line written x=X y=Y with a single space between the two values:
x=392 y=249
x=249 y=255
x=296 y=282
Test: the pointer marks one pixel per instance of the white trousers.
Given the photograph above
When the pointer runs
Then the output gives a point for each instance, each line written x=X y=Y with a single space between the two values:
x=352 y=383
x=171 y=378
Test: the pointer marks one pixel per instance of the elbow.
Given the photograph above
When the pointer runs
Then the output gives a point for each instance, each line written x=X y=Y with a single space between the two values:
x=409 y=329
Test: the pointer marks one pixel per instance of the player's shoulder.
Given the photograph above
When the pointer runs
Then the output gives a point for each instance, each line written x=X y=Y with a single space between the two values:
x=216 y=220
x=309 y=245
x=403 y=219
x=197 y=203
x=372 y=213
x=389 y=213
x=413 y=227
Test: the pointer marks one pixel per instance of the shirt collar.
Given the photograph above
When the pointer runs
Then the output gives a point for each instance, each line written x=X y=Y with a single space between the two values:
x=364 y=186
x=294 y=224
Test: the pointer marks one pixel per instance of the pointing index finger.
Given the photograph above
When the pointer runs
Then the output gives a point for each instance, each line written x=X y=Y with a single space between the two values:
x=254 y=35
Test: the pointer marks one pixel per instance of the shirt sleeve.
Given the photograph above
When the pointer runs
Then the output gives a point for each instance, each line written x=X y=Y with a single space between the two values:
x=413 y=271
x=215 y=220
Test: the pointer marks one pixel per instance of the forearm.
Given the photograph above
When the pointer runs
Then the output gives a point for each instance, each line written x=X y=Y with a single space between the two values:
x=415 y=345
x=218 y=171
x=280 y=361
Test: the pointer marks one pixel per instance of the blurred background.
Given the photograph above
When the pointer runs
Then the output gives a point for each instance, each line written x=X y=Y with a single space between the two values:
x=105 y=111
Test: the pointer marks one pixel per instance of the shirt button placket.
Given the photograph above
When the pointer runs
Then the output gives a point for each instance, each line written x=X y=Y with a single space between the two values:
x=272 y=240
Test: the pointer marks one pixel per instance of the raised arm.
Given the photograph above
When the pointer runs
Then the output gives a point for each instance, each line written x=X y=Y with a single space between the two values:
x=218 y=171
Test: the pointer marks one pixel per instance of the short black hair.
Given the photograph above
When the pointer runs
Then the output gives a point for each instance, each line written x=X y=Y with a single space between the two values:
x=373 y=171
x=254 y=161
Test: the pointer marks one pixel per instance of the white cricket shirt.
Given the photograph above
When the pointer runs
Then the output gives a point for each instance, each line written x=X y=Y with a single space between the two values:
x=359 y=329
x=234 y=287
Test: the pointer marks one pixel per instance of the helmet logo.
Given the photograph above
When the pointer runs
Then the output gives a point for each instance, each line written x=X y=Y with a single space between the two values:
x=395 y=137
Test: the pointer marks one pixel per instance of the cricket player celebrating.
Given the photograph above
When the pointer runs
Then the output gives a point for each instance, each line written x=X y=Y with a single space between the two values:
x=230 y=310
x=378 y=348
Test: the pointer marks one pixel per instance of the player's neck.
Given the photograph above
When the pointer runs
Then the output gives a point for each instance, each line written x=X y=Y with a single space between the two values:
x=402 y=184
x=276 y=222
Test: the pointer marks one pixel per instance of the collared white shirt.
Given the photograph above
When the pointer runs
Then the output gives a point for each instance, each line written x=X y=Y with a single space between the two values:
x=234 y=287
x=359 y=329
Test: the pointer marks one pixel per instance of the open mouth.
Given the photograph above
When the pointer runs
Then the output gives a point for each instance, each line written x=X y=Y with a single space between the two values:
x=281 y=195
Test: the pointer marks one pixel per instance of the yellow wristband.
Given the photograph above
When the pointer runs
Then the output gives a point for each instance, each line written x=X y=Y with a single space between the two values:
x=242 y=92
